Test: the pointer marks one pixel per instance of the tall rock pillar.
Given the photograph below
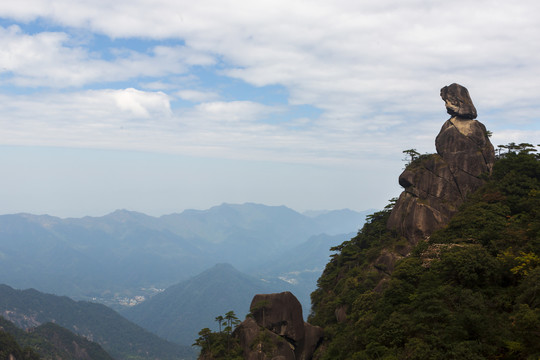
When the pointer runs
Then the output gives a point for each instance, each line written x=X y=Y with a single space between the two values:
x=436 y=185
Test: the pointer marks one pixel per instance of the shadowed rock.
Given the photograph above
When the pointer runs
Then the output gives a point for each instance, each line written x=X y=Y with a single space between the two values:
x=277 y=330
x=261 y=344
x=436 y=185
x=280 y=313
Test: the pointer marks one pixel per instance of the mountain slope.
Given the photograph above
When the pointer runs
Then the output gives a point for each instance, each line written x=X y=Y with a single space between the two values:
x=178 y=313
x=469 y=292
x=118 y=336
x=9 y=348
x=52 y=341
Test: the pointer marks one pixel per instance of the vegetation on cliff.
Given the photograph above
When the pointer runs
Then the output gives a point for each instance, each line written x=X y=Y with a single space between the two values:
x=220 y=344
x=471 y=291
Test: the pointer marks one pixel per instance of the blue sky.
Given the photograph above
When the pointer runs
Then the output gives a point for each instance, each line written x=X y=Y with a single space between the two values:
x=160 y=106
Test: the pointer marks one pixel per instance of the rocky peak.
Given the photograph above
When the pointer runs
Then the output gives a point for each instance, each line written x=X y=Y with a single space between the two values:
x=458 y=101
x=436 y=185
x=276 y=329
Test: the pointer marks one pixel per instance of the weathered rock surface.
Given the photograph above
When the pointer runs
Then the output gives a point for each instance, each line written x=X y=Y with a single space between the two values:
x=436 y=185
x=277 y=329
x=458 y=101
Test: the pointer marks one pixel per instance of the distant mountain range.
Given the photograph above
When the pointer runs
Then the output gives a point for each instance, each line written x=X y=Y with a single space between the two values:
x=125 y=256
x=119 y=337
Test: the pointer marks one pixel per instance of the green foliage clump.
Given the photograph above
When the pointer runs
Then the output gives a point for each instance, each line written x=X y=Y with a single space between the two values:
x=350 y=272
x=471 y=292
x=9 y=348
x=48 y=342
x=220 y=345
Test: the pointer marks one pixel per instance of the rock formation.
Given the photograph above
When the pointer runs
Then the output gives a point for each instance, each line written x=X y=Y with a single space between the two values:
x=276 y=330
x=436 y=185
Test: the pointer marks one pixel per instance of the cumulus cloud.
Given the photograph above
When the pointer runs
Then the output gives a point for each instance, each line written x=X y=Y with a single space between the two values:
x=358 y=50
x=142 y=104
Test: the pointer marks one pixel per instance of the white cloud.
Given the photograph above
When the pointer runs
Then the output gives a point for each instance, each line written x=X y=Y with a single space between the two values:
x=46 y=59
x=94 y=119
x=233 y=111
x=136 y=120
x=142 y=104
x=374 y=68
x=197 y=96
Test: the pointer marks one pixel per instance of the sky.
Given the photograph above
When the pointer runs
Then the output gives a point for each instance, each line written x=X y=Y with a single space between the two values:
x=163 y=105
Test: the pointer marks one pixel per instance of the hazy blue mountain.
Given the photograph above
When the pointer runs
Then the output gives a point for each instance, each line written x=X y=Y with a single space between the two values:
x=121 y=338
x=182 y=310
x=178 y=313
x=113 y=258
x=336 y=221
x=301 y=266
x=63 y=257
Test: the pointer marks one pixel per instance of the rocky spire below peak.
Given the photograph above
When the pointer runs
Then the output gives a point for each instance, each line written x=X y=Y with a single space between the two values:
x=436 y=185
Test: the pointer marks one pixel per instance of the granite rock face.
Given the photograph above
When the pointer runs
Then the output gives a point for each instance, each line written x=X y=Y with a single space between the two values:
x=458 y=101
x=277 y=329
x=436 y=185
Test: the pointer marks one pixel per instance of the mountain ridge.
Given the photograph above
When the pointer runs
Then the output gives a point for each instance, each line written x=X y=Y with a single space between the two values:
x=120 y=254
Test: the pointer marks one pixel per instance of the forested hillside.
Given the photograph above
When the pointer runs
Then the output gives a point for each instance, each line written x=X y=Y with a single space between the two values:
x=470 y=291
x=48 y=342
x=121 y=338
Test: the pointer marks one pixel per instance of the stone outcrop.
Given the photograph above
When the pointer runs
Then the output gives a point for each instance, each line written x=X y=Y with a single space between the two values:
x=458 y=101
x=436 y=185
x=276 y=330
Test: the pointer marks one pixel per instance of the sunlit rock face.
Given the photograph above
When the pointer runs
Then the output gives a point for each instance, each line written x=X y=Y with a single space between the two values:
x=436 y=185
x=276 y=329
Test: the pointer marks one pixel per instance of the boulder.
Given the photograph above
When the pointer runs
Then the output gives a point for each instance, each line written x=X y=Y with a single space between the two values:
x=276 y=329
x=458 y=102
x=259 y=343
x=280 y=313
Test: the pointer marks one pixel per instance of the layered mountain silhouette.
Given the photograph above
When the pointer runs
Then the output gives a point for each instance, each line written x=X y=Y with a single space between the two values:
x=126 y=254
